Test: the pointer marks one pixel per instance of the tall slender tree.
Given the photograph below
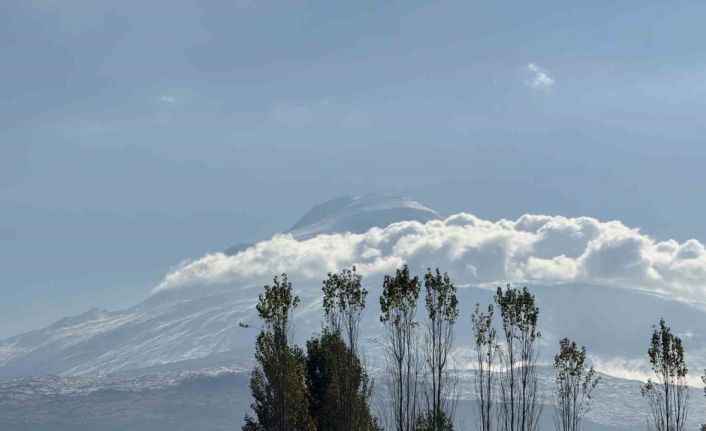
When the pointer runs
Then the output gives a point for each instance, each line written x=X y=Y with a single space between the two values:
x=339 y=385
x=442 y=312
x=277 y=382
x=668 y=395
x=574 y=384
x=485 y=356
x=398 y=304
x=520 y=405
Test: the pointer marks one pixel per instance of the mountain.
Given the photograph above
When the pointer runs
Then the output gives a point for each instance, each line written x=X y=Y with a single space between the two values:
x=356 y=215
x=179 y=359
x=195 y=329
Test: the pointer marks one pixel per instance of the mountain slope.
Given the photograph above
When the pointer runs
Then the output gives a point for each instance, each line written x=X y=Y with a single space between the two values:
x=160 y=354
x=169 y=329
x=217 y=399
x=199 y=326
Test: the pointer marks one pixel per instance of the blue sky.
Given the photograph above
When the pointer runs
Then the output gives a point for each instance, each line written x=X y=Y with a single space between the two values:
x=136 y=134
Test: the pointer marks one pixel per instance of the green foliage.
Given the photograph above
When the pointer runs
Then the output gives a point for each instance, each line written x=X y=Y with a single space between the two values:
x=276 y=304
x=434 y=422
x=343 y=293
x=338 y=385
x=668 y=396
x=520 y=404
x=484 y=334
x=666 y=352
x=343 y=302
x=399 y=295
x=277 y=382
x=518 y=311
x=485 y=356
x=441 y=301
x=574 y=384
x=442 y=312
x=398 y=305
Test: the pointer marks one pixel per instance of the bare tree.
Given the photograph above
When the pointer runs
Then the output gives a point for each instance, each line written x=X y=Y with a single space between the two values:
x=574 y=384
x=668 y=396
x=398 y=304
x=486 y=350
x=442 y=312
x=520 y=405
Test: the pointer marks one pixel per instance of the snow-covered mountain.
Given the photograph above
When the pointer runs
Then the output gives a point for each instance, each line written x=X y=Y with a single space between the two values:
x=356 y=215
x=185 y=325
x=171 y=343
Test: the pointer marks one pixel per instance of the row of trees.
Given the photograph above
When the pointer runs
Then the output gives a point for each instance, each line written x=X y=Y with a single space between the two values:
x=329 y=388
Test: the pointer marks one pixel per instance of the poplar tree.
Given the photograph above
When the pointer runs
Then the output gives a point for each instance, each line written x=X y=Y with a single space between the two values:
x=668 y=395
x=485 y=355
x=442 y=313
x=520 y=405
x=277 y=382
x=339 y=385
x=398 y=304
x=573 y=386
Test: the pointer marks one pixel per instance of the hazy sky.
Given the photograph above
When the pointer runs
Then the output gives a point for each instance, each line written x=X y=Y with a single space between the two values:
x=136 y=134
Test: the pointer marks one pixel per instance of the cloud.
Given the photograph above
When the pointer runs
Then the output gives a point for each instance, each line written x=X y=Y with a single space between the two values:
x=538 y=77
x=169 y=100
x=637 y=369
x=533 y=249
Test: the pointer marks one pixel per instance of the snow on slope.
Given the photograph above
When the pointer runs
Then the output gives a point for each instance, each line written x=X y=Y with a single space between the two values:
x=217 y=398
x=182 y=326
x=195 y=321
x=195 y=325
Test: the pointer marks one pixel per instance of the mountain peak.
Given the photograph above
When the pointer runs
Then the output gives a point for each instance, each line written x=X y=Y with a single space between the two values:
x=359 y=214
x=355 y=215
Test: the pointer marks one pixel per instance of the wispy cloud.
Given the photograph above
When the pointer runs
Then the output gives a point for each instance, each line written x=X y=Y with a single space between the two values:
x=169 y=100
x=538 y=77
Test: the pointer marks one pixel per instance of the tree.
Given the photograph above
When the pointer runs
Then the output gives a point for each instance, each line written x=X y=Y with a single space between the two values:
x=442 y=311
x=574 y=384
x=398 y=304
x=486 y=350
x=427 y=422
x=339 y=385
x=668 y=396
x=277 y=382
x=343 y=302
x=520 y=405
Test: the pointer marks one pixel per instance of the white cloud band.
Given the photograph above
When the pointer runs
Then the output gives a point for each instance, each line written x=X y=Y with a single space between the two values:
x=533 y=249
